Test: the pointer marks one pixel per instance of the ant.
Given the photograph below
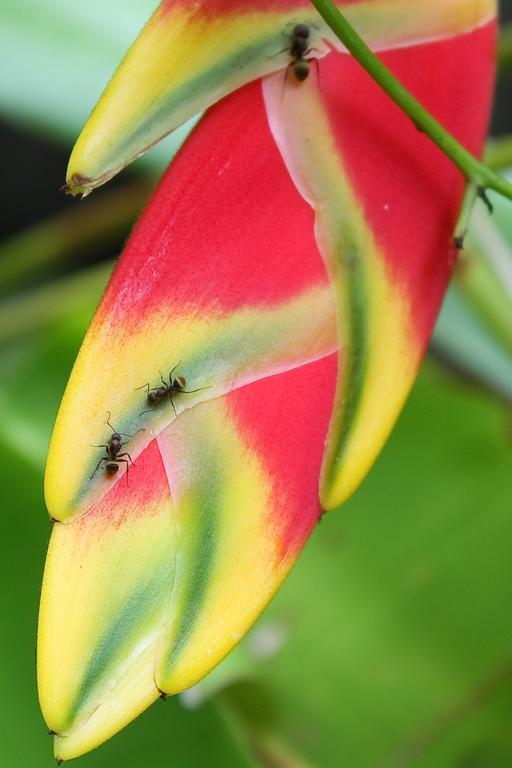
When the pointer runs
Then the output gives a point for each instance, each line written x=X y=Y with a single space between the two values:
x=176 y=385
x=112 y=456
x=299 y=49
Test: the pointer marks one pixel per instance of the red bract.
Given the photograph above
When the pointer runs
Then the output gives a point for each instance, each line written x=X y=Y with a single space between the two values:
x=224 y=282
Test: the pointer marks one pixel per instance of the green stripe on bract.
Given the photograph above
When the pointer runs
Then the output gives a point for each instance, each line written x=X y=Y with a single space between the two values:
x=196 y=556
x=145 y=602
x=354 y=355
x=213 y=82
x=199 y=570
x=229 y=352
x=302 y=129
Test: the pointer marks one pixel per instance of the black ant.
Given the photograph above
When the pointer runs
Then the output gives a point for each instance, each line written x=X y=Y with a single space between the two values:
x=112 y=457
x=176 y=385
x=299 y=49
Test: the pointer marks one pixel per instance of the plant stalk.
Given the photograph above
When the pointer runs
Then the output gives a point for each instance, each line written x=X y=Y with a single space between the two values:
x=476 y=172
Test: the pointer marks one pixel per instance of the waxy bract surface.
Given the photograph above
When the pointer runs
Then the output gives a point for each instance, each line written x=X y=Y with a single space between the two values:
x=298 y=220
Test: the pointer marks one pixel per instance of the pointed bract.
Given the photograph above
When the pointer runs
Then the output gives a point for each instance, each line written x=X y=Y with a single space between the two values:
x=248 y=500
x=204 y=285
x=189 y=55
x=387 y=202
x=103 y=605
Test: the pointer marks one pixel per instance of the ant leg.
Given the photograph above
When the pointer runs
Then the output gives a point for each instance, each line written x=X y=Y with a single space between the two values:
x=191 y=391
x=172 y=403
x=171 y=373
x=144 y=385
x=279 y=52
x=120 y=455
x=162 y=379
x=103 y=458
x=125 y=461
x=99 y=446
x=286 y=78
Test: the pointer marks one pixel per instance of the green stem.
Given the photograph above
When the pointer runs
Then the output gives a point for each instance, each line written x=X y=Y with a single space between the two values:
x=475 y=172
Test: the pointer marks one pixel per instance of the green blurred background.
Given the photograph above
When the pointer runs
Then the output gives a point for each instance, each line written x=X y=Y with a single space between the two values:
x=390 y=645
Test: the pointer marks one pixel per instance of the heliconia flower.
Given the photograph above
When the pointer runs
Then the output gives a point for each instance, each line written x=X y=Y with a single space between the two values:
x=290 y=267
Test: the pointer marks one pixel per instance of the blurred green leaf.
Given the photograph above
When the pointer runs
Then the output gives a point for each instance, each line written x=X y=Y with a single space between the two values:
x=484 y=277
x=60 y=56
x=40 y=334
x=502 y=215
x=481 y=739
x=42 y=250
x=473 y=336
x=466 y=347
x=248 y=708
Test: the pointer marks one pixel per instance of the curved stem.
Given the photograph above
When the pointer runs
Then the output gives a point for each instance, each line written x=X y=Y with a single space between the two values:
x=475 y=171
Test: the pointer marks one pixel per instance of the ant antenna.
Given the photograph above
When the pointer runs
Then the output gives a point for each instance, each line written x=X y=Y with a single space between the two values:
x=124 y=434
x=191 y=391
x=109 y=415
x=294 y=22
